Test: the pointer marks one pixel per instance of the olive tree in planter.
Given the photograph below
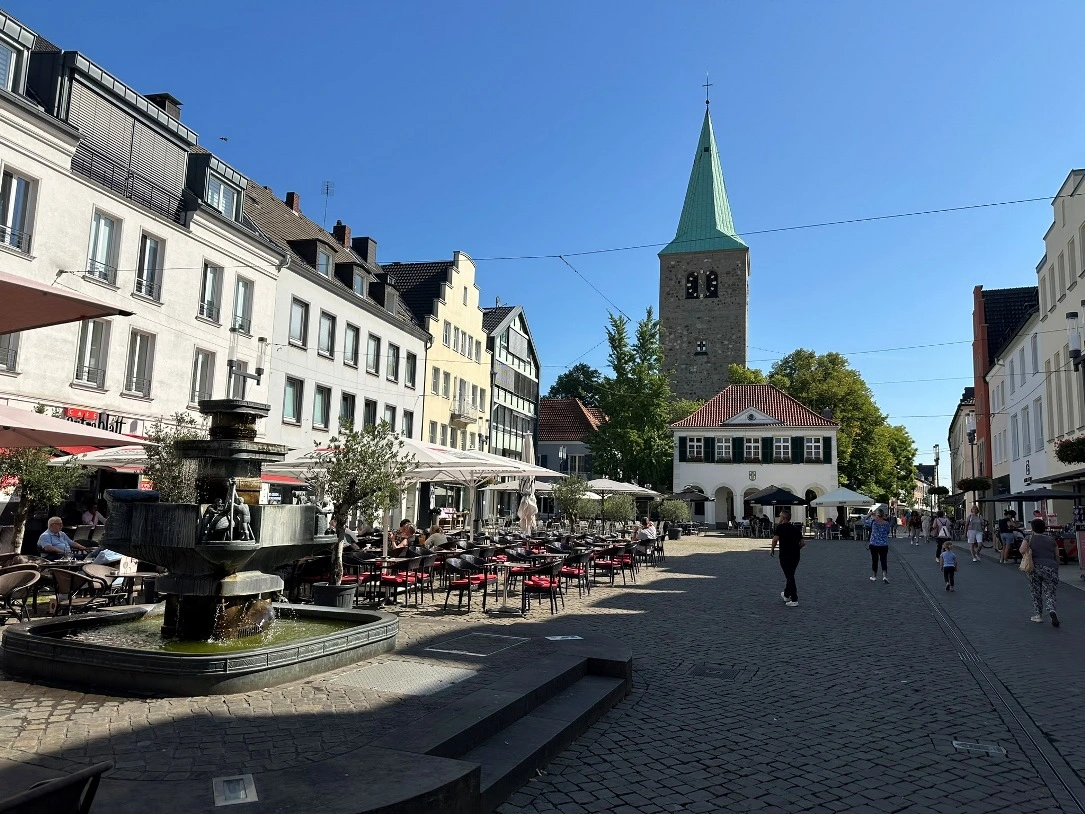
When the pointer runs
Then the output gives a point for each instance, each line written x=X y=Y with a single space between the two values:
x=568 y=494
x=674 y=512
x=619 y=508
x=367 y=469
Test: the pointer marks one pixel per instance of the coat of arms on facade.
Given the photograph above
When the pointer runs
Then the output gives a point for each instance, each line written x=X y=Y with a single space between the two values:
x=753 y=474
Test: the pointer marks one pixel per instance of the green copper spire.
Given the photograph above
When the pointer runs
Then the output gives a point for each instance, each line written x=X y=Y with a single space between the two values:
x=706 y=223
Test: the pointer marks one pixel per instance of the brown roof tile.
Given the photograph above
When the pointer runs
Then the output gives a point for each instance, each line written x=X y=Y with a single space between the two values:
x=764 y=397
x=567 y=420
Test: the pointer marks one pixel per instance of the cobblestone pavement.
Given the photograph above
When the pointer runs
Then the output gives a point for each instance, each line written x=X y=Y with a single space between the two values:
x=847 y=702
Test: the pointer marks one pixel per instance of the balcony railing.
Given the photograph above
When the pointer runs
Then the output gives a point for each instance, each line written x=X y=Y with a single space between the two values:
x=209 y=309
x=101 y=271
x=243 y=324
x=94 y=376
x=20 y=241
x=134 y=384
x=8 y=358
x=199 y=395
x=107 y=172
x=149 y=287
x=463 y=412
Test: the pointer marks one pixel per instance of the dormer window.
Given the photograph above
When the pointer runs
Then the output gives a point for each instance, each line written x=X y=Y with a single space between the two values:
x=323 y=262
x=358 y=285
x=389 y=300
x=7 y=66
x=223 y=197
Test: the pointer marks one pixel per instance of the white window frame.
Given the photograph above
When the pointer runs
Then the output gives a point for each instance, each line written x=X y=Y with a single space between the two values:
x=323 y=263
x=390 y=413
x=242 y=317
x=1035 y=343
x=299 y=395
x=373 y=355
x=446 y=382
x=140 y=343
x=1012 y=377
x=358 y=283
x=446 y=334
x=433 y=432
x=435 y=383
x=1038 y=410
x=1015 y=437
x=723 y=449
x=325 y=335
x=102 y=258
x=302 y=307
x=203 y=373
x=391 y=364
x=366 y=413
x=351 y=349
x=322 y=394
x=695 y=448
x=410 y=370
x=226 y=205
x=406 y=427
x=11 y=69
x=86 y=373
x=352 y=399
x=17 y=211
x=781 y=449
x=751 y=449
x=148 y=282
x=210 y=306
x=1026 y=431
x=9 y=352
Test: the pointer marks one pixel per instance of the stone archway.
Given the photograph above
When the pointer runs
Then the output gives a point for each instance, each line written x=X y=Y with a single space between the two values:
x=812 y=493
x=725 y=506
x=747 y=507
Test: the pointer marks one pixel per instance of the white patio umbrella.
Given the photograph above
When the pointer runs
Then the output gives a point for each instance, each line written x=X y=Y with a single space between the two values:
x=528 y=506
x=843 y=497
x=29 y=304
x=25 y=428
x=606 y=486
x=120 y=459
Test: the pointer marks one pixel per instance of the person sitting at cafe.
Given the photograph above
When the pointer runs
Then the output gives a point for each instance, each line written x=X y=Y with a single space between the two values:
x=646 y=531
x=55 y=544
x=93 y=517
x=436 y=539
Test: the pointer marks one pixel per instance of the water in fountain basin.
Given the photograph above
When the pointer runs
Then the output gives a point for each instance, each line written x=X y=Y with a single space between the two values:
x=145 y=634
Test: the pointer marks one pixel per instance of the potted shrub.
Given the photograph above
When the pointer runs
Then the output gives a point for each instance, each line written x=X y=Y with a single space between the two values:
x=568 y=494
x=974 y=484
x=674 y=512
x=1071 y=450
x=366 y=469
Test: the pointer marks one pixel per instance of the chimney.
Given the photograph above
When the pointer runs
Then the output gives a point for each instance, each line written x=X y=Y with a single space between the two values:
x=293 y=200
x=167 y=102
x=366 y=247
x=498 y=304
x=342 y=233
x=827 y=413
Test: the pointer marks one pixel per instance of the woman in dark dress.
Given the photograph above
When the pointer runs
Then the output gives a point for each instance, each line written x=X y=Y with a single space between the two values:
x=789 y=538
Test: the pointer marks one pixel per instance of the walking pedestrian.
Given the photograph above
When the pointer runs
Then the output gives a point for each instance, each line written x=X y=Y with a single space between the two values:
x=915 y=526
x=974 y=531
x=1044 y=577
x=893 y=524
x=926 y=526
x=940 y=529
x=949 y=564
x=789 y=538
x=1006 y=527
x=879 y=546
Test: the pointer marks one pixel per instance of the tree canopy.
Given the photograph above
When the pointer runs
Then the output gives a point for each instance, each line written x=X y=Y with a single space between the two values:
x=635 y=444
x=174 y=477
x=581 y=381
x=873 y=456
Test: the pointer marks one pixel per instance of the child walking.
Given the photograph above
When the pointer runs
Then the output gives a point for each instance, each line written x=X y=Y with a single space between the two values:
x=949 y=564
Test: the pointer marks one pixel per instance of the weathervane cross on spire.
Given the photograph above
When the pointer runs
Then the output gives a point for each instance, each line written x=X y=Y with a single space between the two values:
x=706 y=86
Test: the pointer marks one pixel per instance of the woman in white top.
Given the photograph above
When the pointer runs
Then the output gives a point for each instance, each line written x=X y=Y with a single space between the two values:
x=940 y=531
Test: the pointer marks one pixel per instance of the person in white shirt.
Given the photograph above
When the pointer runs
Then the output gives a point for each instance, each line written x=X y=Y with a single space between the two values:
x=92 y=517
x=647 y=531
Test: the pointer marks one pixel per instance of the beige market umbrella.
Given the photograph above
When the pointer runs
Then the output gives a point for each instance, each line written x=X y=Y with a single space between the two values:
x=25 y=428
x=29 y=304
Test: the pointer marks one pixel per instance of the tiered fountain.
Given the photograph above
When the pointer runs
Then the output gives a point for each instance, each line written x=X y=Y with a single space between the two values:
x=220 y=631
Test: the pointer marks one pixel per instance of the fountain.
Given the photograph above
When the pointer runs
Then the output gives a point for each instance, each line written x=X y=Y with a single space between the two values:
x=219 y=591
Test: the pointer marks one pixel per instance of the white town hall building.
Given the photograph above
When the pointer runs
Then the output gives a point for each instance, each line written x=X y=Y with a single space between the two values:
x=746 y=438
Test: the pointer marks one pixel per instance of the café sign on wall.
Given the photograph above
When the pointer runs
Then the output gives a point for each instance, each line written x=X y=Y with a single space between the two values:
x=101 y=420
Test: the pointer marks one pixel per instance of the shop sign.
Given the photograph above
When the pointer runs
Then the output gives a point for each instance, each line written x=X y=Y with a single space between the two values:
x=145 y=484
x=94 y=418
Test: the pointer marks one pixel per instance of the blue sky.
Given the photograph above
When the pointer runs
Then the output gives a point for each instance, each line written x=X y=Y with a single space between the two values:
x=516 y=129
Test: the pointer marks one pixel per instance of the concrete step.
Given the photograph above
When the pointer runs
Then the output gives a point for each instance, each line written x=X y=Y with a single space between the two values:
x=510 y=757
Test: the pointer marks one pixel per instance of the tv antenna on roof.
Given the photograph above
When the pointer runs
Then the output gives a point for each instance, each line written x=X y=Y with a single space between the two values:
x=327 y=189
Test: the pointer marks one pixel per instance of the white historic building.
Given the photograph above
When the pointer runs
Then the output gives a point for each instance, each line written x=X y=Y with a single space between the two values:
x=105 y=192
x=748 y=437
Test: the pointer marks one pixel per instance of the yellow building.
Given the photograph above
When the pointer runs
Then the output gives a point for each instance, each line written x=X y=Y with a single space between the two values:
x=444 y=298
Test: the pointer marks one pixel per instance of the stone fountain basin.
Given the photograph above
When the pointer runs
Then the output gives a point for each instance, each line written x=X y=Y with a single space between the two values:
x=38 y=650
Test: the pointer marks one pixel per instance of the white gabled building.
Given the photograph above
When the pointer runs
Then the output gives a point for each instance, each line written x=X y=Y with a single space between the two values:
x=746 y=438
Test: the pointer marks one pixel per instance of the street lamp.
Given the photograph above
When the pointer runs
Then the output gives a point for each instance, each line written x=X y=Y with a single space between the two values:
x=937 y=460
x=970 y=426
x=1073 y=332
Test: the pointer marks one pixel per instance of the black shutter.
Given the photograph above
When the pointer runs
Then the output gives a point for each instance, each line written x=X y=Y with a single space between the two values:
x=738 y=450
x=827 y=449
x=542 y=461
x=587 y=466
x=681 y=448
x=766 y=449
x=797 y=449
x=709 y=450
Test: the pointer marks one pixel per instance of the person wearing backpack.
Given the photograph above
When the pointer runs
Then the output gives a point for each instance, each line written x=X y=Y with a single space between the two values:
x=940 y=529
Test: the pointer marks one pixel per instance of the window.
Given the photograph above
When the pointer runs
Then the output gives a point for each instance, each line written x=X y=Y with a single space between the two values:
x=1012 y=378
x=712 y=285
x=149 y=270
x=446 y=335
x=482 y=399
x=723 y=449
x=93 y=346
x=465 y=295
x=435 y=385
x=694 y=448
x=471 y=441
x=752 y=449
x=292 y=394
x=433 y=432
x=15 y=211
x=446 y=380
x=390 y=416
x=238 y=383
x=1071 y=256
x=1062 y=272
x=478 y=351
x=410 y=369
x=299 y=323
x=358 y=283
x=1035 y=342
x=351 y=337
x=1038 y=412
x=407 y=429
x=444 y=435
x=324 y=262
x=463 y=344
x=391 y=368
x=222 y=196
x=456 y=339
x=369 y=414
x=781 y=449
x=137 y=377
x=373 y=355
x=702 y=347
x=102 y=262
x=7 y=66
x=210 y=292
x=325 y=339
x=322 y=400
x=1081 y=247
x=454 y=438
x=1015 y=440
x=347 y=403
x=474 y=396
x=9 y=352
x=1043 y=293
x=1051 y=299
x=692 y=286
x=243 y=305
x=578 y=464
x=1026 y=431
x=203 y=375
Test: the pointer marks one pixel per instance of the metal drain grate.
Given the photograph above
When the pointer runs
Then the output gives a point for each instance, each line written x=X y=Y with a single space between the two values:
x=240 y=788
x=403 y=677
x=976 y=748
x=719 y=671
x=477 y=644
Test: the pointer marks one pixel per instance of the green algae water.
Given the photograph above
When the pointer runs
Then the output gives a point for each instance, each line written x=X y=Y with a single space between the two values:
x=146 y=634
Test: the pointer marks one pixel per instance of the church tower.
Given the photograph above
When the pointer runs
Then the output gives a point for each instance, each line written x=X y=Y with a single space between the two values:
x=704 y=283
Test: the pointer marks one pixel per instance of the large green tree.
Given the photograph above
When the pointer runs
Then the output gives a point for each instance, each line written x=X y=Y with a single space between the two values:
x=635 y=443
x=873 y=456
x=581 y=381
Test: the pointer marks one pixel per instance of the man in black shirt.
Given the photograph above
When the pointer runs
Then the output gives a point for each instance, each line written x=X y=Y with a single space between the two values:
x=790 y=540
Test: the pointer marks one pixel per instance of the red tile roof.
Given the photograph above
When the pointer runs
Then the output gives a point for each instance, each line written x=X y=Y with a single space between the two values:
x=567 y=420
x=764 y=397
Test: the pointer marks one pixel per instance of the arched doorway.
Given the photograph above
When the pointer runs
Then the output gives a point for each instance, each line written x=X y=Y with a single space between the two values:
x=748 y=509
x=811 y=511
x=725 y=506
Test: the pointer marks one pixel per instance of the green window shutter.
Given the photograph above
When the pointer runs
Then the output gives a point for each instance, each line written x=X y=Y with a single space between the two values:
x=587 y=466
x=738 y=450
x=766 y=449
x=798 y=449
x=681 y=448
x=827 y=449
x=709 y=450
